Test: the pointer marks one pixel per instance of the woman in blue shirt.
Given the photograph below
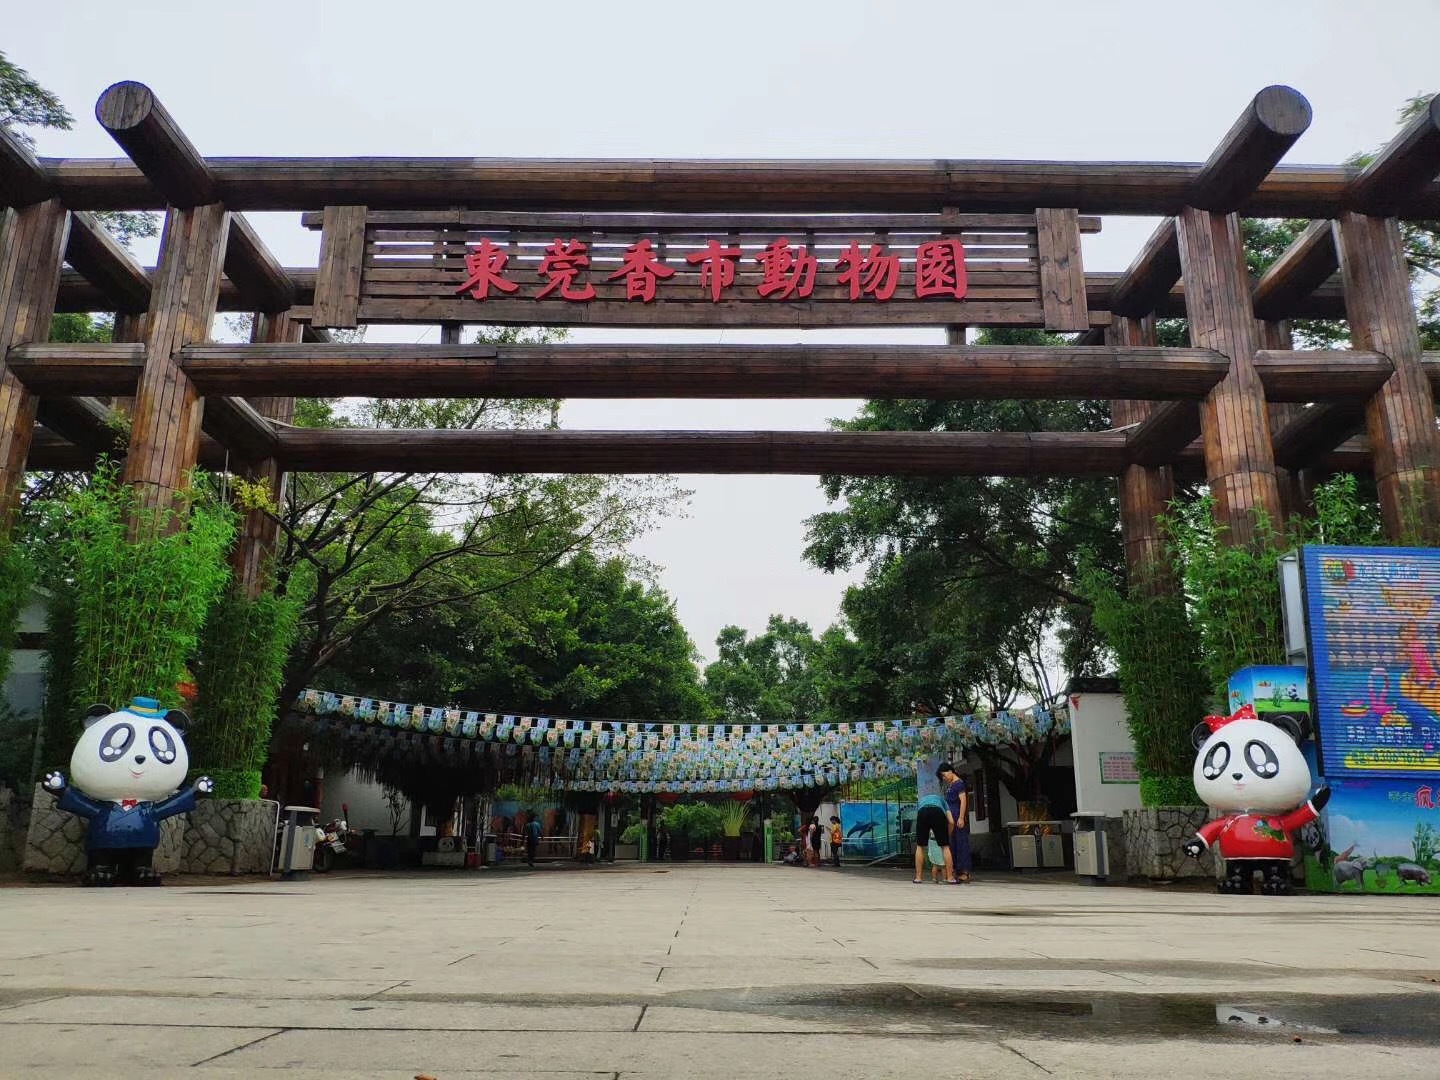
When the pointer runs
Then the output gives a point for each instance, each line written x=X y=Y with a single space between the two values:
x=957 y=802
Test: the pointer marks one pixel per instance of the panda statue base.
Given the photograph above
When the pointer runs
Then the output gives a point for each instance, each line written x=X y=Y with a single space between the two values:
x=128 y=767
x=1252 y=772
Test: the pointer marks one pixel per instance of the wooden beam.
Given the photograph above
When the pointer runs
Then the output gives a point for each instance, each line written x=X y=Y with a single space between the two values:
x=701 y=371
x=711 y=186
x=858 y=453
x=56 y=369
x=254 y=272
x=1405 y=166
x=151 y=139
x=23 y=179
x=49 y=451
x=1303 y=267
x=1164 y=432
x=1150 y=277
x=1254 y=145
x=101 y=261
x=83 y=421
x=1062 y=271
x=1321 y=374
x=1316 y=431
x=239 y=427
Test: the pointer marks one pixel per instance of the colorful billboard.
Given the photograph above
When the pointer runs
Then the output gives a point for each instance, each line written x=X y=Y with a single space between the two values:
x=1273 y=691
x=1374 y=638
x=1381 y=836
x=870 y=829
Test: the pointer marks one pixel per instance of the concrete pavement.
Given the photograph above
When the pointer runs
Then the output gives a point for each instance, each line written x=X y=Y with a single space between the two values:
x=707 y=971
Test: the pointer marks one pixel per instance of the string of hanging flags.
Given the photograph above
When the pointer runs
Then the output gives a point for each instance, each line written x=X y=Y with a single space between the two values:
x=633 y=756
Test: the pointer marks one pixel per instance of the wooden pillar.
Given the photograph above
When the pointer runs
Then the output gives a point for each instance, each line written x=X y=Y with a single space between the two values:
x=1295 y=486
x=32 y=249
x=165 y=435
x=1400 y=418
x=1145 y=490
x=255 y=546
x=1239 y=457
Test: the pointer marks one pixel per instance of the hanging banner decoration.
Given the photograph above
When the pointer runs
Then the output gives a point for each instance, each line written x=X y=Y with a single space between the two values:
x=604 y=754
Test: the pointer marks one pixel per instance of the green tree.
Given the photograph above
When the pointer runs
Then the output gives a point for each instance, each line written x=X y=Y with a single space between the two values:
x=1425 y=842
x=359 y=550
x=767 y=679
x=968 y=593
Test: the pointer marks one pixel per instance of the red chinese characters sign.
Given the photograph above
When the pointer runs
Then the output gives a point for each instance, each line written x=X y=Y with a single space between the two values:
x=786 y=271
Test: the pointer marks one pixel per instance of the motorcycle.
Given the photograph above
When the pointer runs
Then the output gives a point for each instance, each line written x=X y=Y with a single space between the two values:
x=330 y=841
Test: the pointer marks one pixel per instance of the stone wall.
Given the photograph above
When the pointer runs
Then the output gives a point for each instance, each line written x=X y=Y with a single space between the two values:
x=220 y=836
x=230 y=836
x=1152 y=839
x=55 y=841
x=14 y=824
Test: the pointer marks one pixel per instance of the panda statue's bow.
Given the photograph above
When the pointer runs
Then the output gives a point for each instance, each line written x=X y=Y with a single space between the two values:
x=127 y=767
x=1253 y=772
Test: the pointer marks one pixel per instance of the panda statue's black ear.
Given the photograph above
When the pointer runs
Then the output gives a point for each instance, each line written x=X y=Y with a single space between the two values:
x=1199 y=733
x=95 y=712
x=1289 y=725
x=177 y=719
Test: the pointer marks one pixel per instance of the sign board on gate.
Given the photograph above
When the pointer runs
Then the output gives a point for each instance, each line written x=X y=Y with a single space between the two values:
x=1374 y=634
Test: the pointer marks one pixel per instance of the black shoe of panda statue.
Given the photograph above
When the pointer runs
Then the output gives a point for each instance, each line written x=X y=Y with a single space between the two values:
x=128 y=767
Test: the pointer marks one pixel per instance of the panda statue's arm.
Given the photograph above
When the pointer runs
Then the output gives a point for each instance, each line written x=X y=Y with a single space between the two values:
x=182 y=802
x=68 y=799
x=1204 y=837
x=1309 y=812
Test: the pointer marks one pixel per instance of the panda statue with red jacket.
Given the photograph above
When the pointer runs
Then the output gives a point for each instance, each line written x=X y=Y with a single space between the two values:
x=1252 y=772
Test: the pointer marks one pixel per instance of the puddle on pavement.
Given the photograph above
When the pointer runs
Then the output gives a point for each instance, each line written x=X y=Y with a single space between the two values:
x=1406 y=1018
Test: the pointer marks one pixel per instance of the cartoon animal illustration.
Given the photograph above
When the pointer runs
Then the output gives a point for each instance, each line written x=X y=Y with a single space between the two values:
x=1252 y=771
x=127 y=767
x=1351 y=869
x=1413 y=873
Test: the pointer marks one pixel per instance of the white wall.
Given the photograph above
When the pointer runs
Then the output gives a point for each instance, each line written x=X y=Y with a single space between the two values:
x=24 y=688
x=1097 y=725
x=368 y=809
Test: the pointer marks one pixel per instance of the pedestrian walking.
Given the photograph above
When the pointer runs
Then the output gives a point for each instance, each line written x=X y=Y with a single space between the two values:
x=836 y=841
x=812 y=836
x=957 y=802
x=532 y=839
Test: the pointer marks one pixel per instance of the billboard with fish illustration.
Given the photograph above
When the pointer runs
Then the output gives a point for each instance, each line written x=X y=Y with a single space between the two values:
x=1373 y=623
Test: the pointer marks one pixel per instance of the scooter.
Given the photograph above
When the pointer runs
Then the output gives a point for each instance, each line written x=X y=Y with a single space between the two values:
x=330 y=841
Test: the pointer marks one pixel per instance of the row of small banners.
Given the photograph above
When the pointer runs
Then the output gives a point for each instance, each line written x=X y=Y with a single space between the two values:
x=600 y=755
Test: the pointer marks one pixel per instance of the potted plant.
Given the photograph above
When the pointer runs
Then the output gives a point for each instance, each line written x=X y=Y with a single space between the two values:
x=629 y=845
x=733 y=818
x=676 y=819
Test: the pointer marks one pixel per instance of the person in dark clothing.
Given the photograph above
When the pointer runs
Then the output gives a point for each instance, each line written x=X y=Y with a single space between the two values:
x=812 y=834
x=532 y=839
x=957 y=801
x=662 y=843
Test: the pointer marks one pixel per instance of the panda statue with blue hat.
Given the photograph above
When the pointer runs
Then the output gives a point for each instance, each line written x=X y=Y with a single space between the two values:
x=128 y=767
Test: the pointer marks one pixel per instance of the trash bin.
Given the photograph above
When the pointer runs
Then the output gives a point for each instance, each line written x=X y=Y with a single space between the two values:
x=297 y=850
x=1092 y=855
x=1024 y=849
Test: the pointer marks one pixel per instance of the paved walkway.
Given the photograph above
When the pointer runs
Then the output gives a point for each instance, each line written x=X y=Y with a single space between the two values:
x=711 y=971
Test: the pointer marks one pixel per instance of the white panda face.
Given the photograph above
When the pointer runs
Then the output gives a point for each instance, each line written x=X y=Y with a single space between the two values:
x=1251 y=765
x=126 y=755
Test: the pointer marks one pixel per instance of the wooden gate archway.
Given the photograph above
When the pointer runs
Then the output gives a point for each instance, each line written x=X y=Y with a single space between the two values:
x=405 y=241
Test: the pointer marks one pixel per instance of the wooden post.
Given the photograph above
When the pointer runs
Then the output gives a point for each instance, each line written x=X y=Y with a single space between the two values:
x=165 y=436
x=1294 y=485
x=32 y=247
x=1400 y=418
x=1145 y=490
x=1239 y=458
x=255 y=546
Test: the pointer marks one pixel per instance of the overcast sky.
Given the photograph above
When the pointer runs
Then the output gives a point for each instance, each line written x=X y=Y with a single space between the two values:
x=835 y=78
